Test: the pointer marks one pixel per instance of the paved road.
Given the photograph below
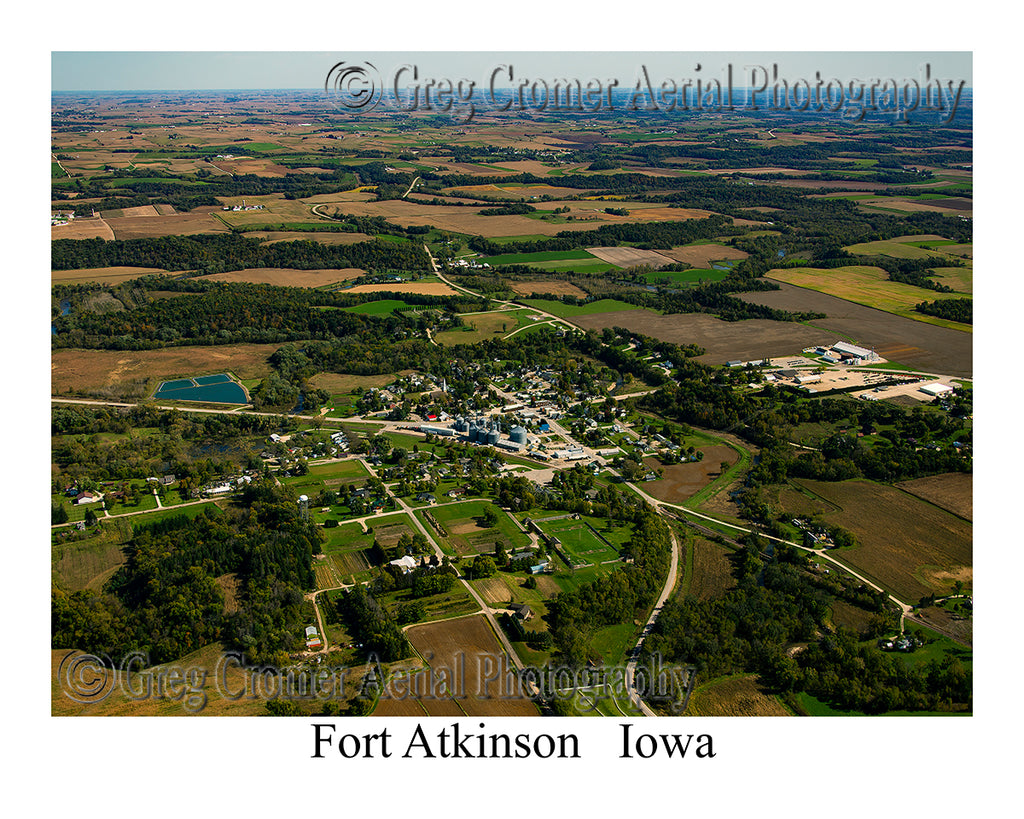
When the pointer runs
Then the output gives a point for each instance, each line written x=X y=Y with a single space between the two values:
x=670 y=584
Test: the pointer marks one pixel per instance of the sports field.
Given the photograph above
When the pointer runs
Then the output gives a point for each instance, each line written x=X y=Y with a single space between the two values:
x=580 y=540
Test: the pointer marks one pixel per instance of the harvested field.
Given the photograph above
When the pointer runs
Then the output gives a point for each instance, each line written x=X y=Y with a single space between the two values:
x=426 y=288
x=926 y=346
x=680 y=482
x=712 y=571
x=866 y=285
x=953 y=491
x=103 y=275
x=140 y=210
x=493 y=590
x=465 y=652
x=908 y=546
x=113 y=373
x=89 y=228
x=165 y=210
x=723 y=340
x=467 y=220
x=272 y=236
x=703 y=255
x=284 y=277
x=957 y=626
x=949 y=207
x=556 y=287
x=630 y=256
x=734 y=697
x=181 y=224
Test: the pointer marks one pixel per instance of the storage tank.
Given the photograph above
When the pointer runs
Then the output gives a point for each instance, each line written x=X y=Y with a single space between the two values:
x=460 y=424
x=493 y=436
x=518 y=435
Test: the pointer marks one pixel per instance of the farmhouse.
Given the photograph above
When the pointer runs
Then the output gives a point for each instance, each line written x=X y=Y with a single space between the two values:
x=88 y=497
x=406 y=564
x=522 y=611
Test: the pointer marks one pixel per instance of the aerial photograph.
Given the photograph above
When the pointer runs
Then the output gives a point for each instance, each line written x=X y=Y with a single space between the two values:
x=495 y=384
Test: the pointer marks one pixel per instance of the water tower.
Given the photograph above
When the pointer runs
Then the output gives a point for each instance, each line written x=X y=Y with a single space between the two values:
x=304 y=507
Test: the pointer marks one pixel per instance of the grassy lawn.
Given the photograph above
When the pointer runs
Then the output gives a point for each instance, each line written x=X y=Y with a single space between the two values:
x=480 y=327
x=467 y=532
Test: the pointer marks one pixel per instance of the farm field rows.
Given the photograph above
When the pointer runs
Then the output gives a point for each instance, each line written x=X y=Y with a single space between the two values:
x=465 y=653
x=869 y=286
x=907 y=545
x=900 y=340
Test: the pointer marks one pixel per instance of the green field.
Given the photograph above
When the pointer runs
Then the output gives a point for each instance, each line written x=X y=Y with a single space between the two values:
x=328 y=476
x=482 y=326
x=869 y=286
x=691 y=276
x=580 y=541
x=466 y=531
x=379 y=307
x=556 y=260
x=562 y=310
x=898 y=250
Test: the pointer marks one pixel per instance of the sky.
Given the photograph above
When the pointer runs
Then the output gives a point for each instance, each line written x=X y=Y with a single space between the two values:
x=187 y=70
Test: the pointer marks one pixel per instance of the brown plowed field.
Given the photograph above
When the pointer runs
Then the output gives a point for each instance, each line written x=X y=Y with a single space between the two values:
x=703 y=255
x=630 y=256
x=680 y=482
x=554 y=288
x=905 y=341
x=723 y=340
x=953 y=491
x=283 y=277
x=467 y=653
x=468 y=643
x=906 y=545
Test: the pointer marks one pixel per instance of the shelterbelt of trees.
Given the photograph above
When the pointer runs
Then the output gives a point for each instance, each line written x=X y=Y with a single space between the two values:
x=228 y=313
x=961 y=310
x=165 y=601
x=220 y=252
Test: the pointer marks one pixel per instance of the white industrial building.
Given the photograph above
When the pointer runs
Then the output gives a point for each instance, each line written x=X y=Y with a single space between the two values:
x=936 y=389
x=846 y=349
